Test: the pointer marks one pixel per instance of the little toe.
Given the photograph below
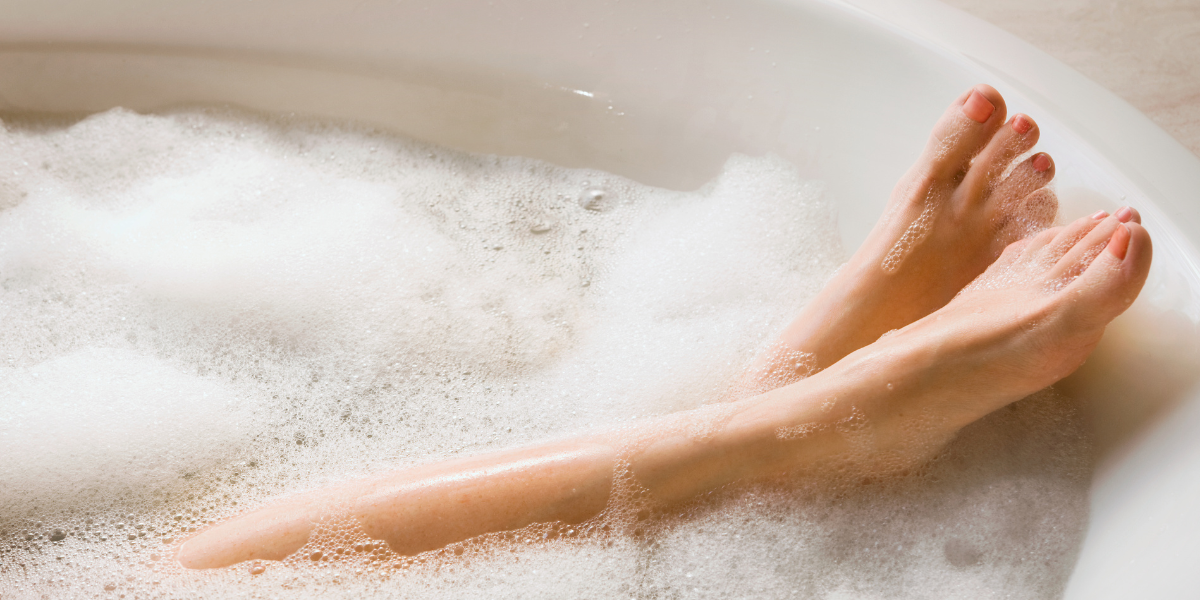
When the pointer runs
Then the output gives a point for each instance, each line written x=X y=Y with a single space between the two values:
x=963 y=130
x=1113 y=280
x=1019 y=135
x=1030 y=175
x=1128 y=214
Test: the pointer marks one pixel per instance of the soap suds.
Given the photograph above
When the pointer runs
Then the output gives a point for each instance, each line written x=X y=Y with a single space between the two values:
x=205 y=310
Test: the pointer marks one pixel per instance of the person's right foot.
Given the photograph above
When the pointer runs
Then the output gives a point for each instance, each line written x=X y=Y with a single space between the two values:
x=948 y=218
x=1030 y=320
x=1036 y=314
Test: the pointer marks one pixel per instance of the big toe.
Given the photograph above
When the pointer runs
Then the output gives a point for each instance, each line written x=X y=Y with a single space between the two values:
x=962 y=132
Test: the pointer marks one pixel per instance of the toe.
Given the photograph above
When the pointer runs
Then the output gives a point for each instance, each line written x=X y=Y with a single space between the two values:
x=1028 y=176
x=1039 y=210
x=1112 y=281
x=1017 y=137
x=1033 y=214
x=964 y=129
x=1082 y=245
x=1069 y=236
x=1004 y=265
x=1127 y=214
x=1034 y=247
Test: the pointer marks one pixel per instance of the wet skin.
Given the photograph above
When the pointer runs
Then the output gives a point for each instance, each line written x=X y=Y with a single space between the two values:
x=1032 y=313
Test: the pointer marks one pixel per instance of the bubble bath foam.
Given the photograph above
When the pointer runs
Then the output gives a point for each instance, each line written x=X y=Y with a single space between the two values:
x=205 y=310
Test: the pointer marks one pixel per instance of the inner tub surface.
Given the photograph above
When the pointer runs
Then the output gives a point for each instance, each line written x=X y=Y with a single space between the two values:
x=663 y=93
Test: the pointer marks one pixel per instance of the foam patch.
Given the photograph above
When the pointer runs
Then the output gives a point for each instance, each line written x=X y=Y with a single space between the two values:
x=206 y=310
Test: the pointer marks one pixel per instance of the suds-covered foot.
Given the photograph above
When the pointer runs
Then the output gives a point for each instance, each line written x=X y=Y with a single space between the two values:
x=948 y=218
x=1030 y=320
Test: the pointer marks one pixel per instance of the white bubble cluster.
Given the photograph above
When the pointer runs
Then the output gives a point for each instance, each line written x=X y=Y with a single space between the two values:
x=916 y=232
x=204 y=310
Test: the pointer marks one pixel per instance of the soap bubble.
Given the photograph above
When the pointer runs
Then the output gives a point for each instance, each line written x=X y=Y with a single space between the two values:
x=595 y=199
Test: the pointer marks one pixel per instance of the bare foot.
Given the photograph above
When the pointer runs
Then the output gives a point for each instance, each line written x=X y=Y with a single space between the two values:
x=1027 y=322
x=1036 y=314
x=948 y=218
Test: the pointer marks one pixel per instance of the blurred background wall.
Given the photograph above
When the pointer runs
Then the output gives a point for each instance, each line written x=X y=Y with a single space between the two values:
x=1145 y=51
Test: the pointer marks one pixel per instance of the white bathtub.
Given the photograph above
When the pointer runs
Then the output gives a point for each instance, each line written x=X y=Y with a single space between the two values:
x=662 y=92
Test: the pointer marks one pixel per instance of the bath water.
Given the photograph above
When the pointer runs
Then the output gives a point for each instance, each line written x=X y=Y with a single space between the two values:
x=205 y=310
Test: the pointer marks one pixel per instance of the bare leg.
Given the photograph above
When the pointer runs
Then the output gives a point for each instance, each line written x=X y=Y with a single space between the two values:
x=1030 y=320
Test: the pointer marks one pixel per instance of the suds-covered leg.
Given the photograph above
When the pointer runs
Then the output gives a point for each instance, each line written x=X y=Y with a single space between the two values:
x=1028 y=321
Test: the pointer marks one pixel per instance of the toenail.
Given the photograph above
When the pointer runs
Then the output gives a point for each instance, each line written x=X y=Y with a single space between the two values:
x=977 y=108
x=1041 y=162
x=1021 y=124
x=1100 y=214
x=1118 y=244
x=1124 y=215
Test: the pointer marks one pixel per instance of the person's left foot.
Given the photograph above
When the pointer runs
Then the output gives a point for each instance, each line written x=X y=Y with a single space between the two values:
x=948 y=218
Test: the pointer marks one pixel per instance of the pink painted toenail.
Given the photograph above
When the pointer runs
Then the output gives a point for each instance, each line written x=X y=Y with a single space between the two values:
x=1100 y=214
x=977 y=108
x=1041 y=162
x=1118 y=244
x=1021 y=124
x=1124 y=215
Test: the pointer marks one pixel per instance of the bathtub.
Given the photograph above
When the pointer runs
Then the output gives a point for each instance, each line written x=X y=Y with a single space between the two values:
x=663 y=92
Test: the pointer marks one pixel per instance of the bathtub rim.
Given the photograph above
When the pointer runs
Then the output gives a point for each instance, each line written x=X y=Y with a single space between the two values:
x=1136 y=544
x=1153 y=161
